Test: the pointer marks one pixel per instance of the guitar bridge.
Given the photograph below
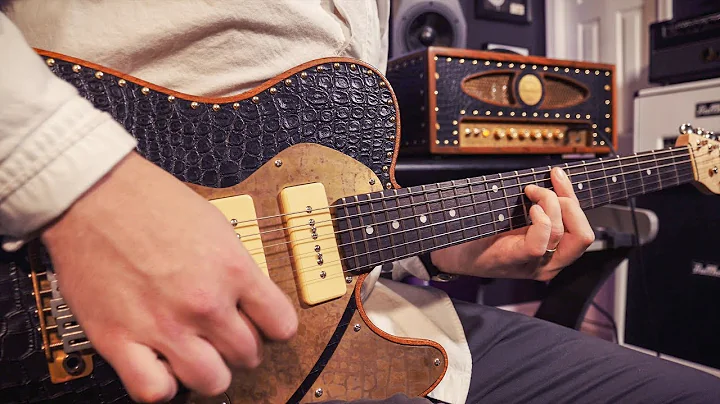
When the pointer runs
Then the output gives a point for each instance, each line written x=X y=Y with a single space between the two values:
x=67 y=349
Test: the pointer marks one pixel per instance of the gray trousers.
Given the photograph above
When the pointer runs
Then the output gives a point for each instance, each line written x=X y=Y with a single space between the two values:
x=521 y=359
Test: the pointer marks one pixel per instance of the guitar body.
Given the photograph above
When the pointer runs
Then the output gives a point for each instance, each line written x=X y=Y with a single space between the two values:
x=331 y=121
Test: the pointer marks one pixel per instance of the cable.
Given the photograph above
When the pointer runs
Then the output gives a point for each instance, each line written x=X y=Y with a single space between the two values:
x=639 y=255
x=610 y=318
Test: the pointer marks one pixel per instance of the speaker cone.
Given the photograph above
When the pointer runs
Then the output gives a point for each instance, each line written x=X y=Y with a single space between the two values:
x=429 y=29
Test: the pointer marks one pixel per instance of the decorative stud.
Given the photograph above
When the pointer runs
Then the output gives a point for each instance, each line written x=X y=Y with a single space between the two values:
x=288 y=82
x=278 y=163
x=145 y=90
x=336 y=65
x=236 y=105
x=462 y=60
x=318 y=392
x=522 y=66
x=255 y=99
x=437 y=362
x=500 y=113
x=319 y=68
x=50 y=62
x=303 y=75
x=391 y=137
x=353 y=67
x=392 y=119
x=389 y=154
x=607 y=87
x=216 y=107
x=122 y=82
x=607 y=74
x=98 y=75
x=587 y=71
x=389 y=101
x=369 y=72
x=475 y=112
x=76 y=68
x=382 y=84
x=385 y=169
x=388 y=185
x=545 y=68
x=462 y=112
x=607 y=102
x=607 y=116
x=607 y=130
x=171 y=98
x=356 y=327
x=273 y=90
x=455 y=142
x=194 y=105
x=577 y=70
x=474 y=62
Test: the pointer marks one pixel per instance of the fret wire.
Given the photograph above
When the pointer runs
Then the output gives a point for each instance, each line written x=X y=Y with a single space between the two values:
x=429 y=215
x=677 y=176
x=507 y=202
x=377 y=224
x=605 y=177
x=415 y=219
x=352 y=236
x=489 y=204
x=590 y=187
x=522 y=198
x=444 y=209
x=389 y=225
x=689 y=177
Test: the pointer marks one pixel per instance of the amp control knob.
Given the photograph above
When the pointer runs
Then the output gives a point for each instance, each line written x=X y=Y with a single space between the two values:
x=499 y=134
x=537 y=135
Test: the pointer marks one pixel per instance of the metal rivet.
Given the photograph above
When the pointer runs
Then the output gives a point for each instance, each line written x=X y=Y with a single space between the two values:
x=319 y=68
x=391 y=137
x=318 y=392
x=389 y=101
x=255 y=99
x=322 y=274
x=353 y=67
x=382 y=84
x=288 y=82
x=236 y=105
x=273 y=90
x=388 y=185
x=372 y=181
x=234 y=222
x=76 y=68
x=356 y=327
x=122 y=83
x=607 y=87
x=171 y=98
x=303 y=75
x=145 y=90
x=389 y=154
x=98 y=75
x=437 y=362
x=392 y=119
x=336 y=65
x=348 y=279
x=194 y=105
x=216 y=107
x=50 y=62
x=278 y=163
x=385 y=168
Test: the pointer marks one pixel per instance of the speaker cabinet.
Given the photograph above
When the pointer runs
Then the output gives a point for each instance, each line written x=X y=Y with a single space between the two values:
x=417 y=24
x=458 y=101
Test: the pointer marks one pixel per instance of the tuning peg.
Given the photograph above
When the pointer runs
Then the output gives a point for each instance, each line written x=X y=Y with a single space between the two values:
x=686 y=129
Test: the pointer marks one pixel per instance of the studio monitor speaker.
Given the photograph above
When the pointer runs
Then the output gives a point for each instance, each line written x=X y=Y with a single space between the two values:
x=417 y=24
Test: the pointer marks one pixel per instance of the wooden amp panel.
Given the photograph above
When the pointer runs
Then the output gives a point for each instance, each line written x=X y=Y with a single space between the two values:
x=459 y=101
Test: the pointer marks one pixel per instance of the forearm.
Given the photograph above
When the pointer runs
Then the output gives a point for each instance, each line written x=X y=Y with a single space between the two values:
x=54 y=145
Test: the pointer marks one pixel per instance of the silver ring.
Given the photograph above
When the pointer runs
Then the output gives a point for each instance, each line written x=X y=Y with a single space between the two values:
x=551 y=251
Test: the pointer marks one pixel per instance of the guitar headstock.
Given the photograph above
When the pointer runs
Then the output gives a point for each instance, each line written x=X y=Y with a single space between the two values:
x=704 y=154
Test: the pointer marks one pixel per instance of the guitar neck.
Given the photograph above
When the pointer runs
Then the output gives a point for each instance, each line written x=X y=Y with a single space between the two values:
x=386 y=226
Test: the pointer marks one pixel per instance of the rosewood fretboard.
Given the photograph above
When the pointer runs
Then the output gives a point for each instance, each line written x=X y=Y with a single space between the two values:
x=385 y=226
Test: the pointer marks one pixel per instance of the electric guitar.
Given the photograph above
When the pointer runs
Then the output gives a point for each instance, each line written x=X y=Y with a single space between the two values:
x=303 y=168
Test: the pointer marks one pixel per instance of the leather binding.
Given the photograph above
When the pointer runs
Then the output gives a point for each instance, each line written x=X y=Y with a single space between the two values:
x=459 y=101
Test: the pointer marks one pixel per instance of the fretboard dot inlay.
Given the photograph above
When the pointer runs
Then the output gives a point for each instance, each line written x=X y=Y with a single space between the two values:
x=580 y=186
x=495 y=188
x=395 y=224
x=648 y=171
x=452 y=213
x=501 y=217
x=369 y=230
x=423 y=218
x=614 y=179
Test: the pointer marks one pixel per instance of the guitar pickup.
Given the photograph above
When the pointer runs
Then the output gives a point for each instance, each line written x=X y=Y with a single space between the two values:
x=240 y=211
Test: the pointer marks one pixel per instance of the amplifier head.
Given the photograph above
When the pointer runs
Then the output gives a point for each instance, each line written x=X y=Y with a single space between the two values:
x=459 y=101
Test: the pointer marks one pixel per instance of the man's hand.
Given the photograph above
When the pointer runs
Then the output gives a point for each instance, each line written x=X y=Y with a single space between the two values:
x=558 y=224
x=161 y=285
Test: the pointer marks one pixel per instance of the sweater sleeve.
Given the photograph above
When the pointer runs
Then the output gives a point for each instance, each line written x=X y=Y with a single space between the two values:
x=54 y=145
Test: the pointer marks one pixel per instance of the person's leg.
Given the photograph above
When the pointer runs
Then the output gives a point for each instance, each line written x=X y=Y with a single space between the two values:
x=521 y=359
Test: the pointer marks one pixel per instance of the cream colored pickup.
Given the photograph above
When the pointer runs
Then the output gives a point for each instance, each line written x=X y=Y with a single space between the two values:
x=312 y=238
x=240 y=211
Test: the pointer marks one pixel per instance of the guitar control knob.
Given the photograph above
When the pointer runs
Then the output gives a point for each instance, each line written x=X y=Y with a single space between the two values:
x=525 y=134
x=547 y=134
x=468 y=131
x=513 y=134
x=476 y=132
x=499 y=134
x=485 y=132
x=537 y=135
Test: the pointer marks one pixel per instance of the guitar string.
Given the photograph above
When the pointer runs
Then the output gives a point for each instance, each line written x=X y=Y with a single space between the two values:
x=454 y=187
x=682 y=177
x=485 y=192
x=374 y=265
x=581 y=164
x=642 y=185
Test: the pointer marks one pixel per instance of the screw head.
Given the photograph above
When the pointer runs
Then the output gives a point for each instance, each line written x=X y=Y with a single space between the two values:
x=356 y=327
x=348 y=279
x=322 y=274
x=372 y=181
x=278 y=163
x=234 y=222
x=437 y=362
x=318 y=392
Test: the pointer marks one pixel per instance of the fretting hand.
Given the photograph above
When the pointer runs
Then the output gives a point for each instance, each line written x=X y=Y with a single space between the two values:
x=150 y=268
x=559 y=234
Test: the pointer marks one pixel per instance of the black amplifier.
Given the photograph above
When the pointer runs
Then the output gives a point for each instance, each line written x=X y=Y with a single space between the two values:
x=685 y=50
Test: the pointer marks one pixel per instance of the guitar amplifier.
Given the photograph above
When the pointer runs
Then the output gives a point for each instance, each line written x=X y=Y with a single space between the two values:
x=685 y=50
x=459 y=101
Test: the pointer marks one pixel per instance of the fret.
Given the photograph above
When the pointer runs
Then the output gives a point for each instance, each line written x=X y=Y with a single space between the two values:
x=467 y=208
x=393 y=224
x=683 y=164
x=451 y=214
x=422 y=220
x=666 y=169
x=357 y=234
x=482 y=199
x=579 y=180
x=347 y=241
x=588 y=185
x=381 y=224
x=633 y=178
x=514 y=201
x=407 y=222
x=499 y=213
x=598 y=185
x=436 y=215
x=615 y=179
x=648 y=172
x=368 y=229
x=674 y=162
x=525 y=178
